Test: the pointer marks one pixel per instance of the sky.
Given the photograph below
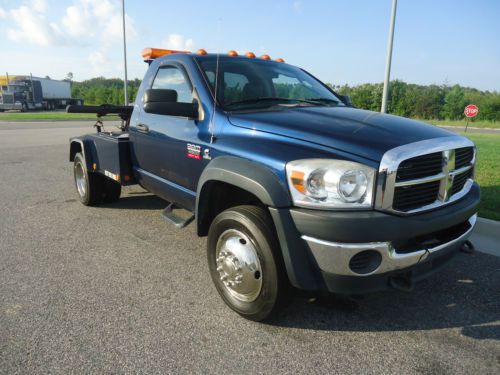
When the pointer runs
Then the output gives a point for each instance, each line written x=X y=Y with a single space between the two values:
x=436 y=41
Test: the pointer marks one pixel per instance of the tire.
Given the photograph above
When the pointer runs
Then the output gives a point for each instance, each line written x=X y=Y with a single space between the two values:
x=112 y=191
x=257 y=288
x=89 y=186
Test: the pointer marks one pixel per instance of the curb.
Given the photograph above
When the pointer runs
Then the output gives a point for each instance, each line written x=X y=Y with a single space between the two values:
x=486 y=236
x=468 y=128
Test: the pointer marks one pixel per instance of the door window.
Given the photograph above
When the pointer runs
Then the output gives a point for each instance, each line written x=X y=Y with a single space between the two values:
x=172 y=78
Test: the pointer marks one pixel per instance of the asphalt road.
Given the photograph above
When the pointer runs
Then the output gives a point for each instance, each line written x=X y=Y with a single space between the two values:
x=115 y=289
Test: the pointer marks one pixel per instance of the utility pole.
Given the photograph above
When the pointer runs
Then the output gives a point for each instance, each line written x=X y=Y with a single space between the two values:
x=125 y=54
x=385 y=94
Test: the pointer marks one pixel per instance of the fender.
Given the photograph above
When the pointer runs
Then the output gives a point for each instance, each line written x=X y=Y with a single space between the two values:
x=247 y=175
x=267 y=187
x=85 y=144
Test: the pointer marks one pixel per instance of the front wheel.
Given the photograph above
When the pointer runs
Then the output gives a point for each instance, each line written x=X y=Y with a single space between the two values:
x=245 y=263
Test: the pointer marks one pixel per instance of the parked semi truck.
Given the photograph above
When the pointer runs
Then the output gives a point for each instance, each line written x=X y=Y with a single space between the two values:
x=293 y=186
x=30 y=93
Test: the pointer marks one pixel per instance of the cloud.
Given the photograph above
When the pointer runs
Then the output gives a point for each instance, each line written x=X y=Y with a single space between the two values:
x=83 y=20
x=39 y=6
x=297 y=6
x=178 y=42
x=33 y=27
x=101 y=18
x=98 y=60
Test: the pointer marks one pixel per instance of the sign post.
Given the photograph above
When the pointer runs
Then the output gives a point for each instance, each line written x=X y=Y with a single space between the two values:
x=470 y=111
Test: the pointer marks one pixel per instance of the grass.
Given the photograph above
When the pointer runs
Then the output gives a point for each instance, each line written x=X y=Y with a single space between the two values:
x=488 y=173
x=49 y=116
x=461 y=123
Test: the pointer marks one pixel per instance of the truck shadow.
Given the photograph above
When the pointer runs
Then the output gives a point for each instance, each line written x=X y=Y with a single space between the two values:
x=138 y=201
x=466 y=294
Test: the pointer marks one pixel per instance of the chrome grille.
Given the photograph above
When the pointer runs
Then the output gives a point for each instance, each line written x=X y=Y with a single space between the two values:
x=425 y=175
x=8 y=99
x=463 y=156
x=420 y=166
x=409 y=197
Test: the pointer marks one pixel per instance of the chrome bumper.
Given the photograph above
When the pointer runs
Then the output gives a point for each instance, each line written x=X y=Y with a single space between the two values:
x=334 y=257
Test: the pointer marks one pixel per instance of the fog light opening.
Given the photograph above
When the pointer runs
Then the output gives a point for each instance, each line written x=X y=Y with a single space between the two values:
x=365 y=262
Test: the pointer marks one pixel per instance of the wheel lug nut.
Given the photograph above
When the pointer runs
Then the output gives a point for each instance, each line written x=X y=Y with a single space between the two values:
x=219 y=268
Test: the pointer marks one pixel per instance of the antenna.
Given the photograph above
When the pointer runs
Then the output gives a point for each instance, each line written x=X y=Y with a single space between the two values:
x=211 y=125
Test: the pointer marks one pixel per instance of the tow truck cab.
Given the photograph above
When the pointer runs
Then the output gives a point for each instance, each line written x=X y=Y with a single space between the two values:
x=293 y=186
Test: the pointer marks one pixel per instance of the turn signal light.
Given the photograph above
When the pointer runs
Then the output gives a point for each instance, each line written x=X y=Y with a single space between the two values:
x=297 y=178
x=154 y=53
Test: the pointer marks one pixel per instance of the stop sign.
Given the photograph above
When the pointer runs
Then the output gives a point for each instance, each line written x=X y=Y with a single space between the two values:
x=471 y=110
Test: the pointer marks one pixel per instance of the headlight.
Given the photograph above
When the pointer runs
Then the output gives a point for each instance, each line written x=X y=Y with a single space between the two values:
x=323 y=183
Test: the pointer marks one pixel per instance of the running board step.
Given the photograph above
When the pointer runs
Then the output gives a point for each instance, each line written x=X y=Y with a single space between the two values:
x=177 y=216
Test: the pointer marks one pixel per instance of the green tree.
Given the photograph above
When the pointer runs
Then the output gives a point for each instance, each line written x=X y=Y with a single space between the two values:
x=454 y=103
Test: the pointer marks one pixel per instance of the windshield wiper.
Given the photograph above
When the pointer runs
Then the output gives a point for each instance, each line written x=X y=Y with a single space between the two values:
x=262 y=99
x=322 y=100
x=314 y=101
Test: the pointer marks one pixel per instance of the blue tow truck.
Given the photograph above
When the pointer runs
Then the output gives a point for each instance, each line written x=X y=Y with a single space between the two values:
x=293 y=186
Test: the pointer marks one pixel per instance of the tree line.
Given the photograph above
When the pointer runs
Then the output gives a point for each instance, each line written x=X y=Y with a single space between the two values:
x=429 y=102
x=100 y=90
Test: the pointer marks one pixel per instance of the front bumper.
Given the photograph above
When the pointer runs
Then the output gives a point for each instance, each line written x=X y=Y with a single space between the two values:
x=359 y=252
x=336 y=257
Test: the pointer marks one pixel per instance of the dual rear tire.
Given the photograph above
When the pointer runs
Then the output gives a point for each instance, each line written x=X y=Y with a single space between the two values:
x=93 y=188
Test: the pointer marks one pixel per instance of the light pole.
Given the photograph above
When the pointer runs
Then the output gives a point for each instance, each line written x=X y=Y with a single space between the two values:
x=385 y=93
x=124 y=54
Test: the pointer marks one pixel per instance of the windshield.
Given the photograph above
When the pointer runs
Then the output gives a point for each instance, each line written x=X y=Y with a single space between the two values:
x=245 y=83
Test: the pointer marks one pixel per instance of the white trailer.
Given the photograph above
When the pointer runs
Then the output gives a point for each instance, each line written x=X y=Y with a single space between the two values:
x=26 y=92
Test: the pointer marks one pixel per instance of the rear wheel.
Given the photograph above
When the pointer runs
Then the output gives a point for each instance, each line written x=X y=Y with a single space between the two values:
x=245 y=262
x=89 y=186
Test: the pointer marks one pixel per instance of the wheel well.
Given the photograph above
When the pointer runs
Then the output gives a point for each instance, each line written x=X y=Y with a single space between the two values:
x=74 y=148
x=217 y=196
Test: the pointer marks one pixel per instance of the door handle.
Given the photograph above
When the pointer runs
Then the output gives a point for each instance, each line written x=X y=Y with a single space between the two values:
x=142 y=128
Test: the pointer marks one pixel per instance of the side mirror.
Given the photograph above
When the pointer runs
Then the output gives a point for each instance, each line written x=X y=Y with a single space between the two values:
x=164 y=102
x=346 y=99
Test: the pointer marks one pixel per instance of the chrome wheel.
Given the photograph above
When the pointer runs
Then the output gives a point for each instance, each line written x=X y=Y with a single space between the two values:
x=80 y=179
x=238 y=265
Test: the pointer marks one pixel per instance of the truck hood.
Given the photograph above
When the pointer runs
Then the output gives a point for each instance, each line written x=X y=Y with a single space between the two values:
x=363 y=133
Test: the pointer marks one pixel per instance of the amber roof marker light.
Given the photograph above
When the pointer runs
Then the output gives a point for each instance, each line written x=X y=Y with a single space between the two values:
x=201 y=51
x=232 y=53
x=265 y=57
x=154 y=53
x=279 y=59
x=250 y=55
